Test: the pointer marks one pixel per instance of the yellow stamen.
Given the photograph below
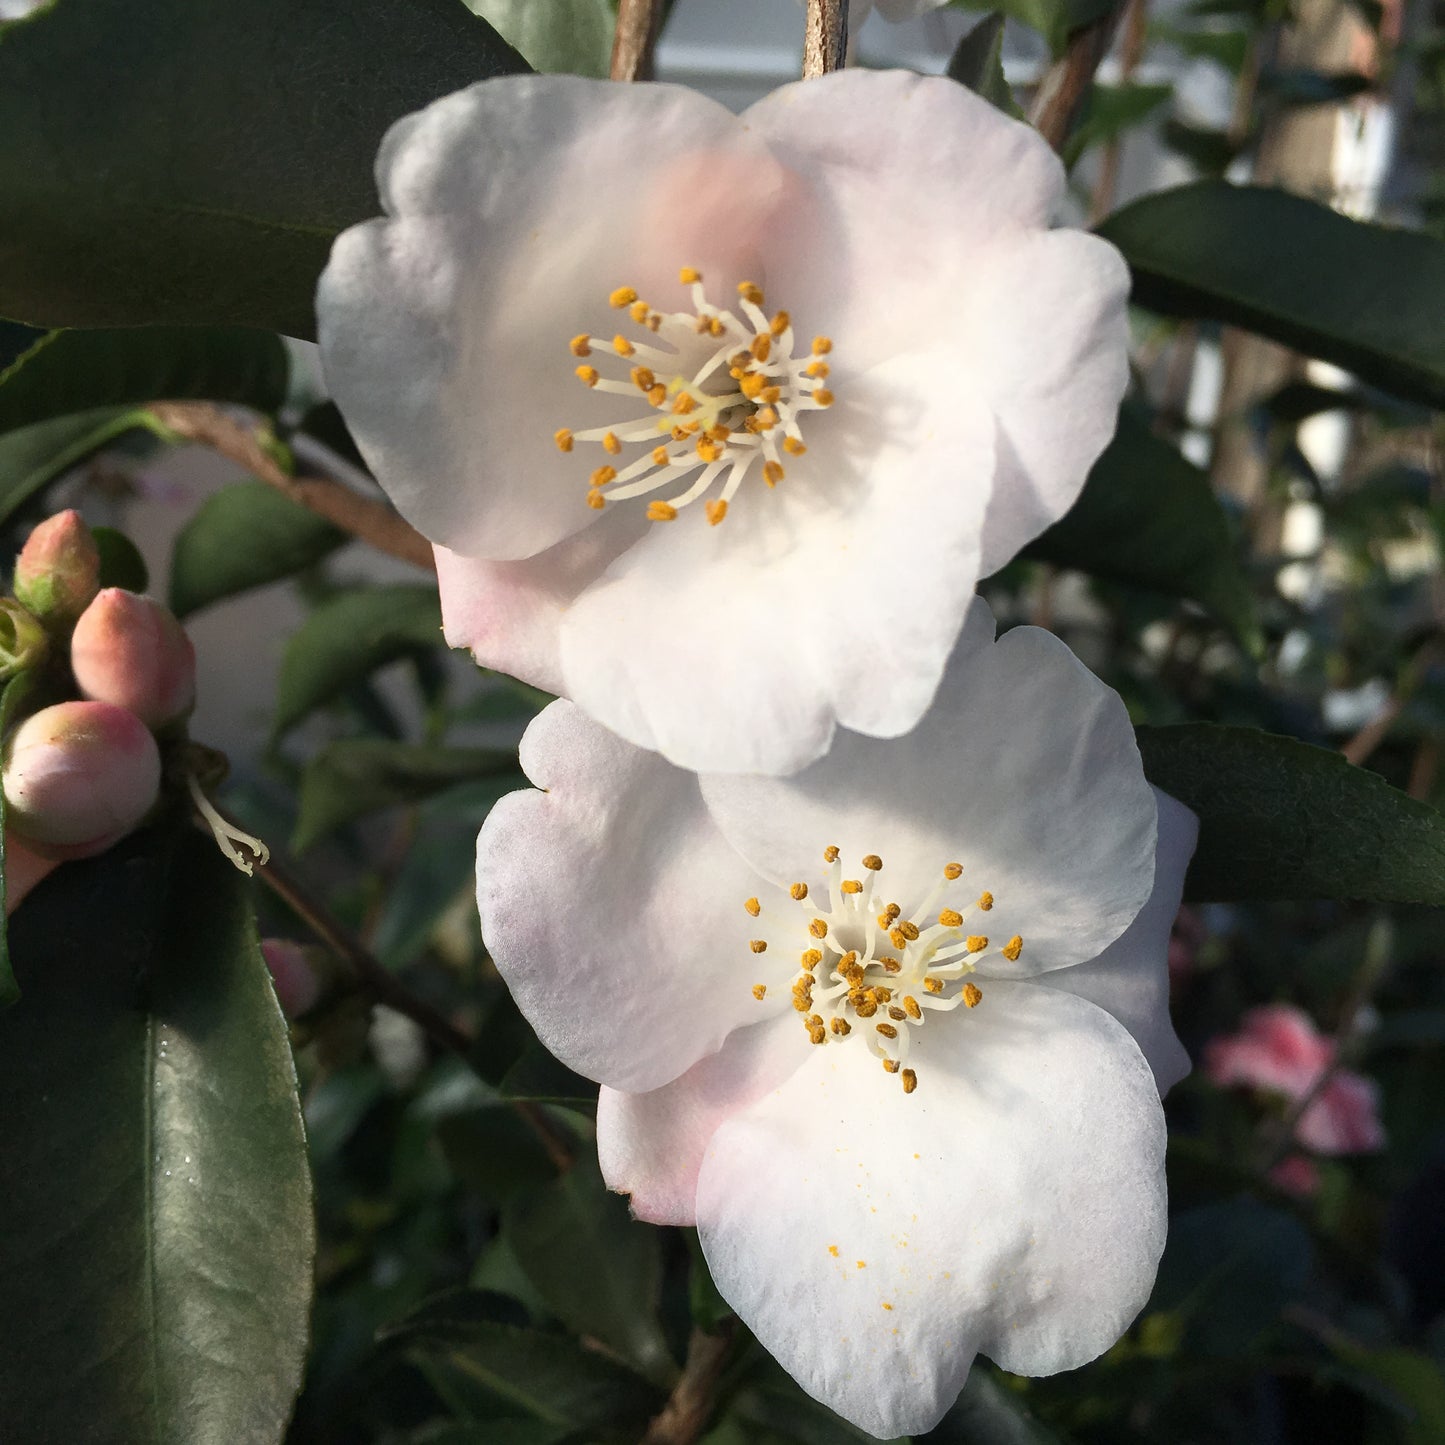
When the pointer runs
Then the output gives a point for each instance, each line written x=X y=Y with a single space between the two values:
x=623 y=296
x=580 y=345
x=985 y=901
x=793 y=446
x=887 y=1030
x=823 y=396
x=588 y=375
x=1013 y=948
x=751 y=291
x=952 y=871
x=852 y=885
x=656 y=395
x=972 y=995
x=897 y=1014
x=811 y=958
x=762 y=346
x=872 y=862
x=638 y=312
x=891 y=965
x=708 y=451
x=818 y=928
x=603 y=475
x=758 y=945
x=661 y=512
x=820 y=369
x=760 y=991
x=685 y=403
x=933 y=985
x=822 y=345
x=622 y=346
x=660 y=457
x=716 y=510
x=841 y=1027
x=907 y=929
x=780 y=323
x=689 y=276
x=976 y=942
x=643 y=378
x=910 y=1083
x=890 y=1066
x=798 y=892
x=596 y=501
x=950 y=919
x=830 y=854
x=753 y=906
x=564 y=439
x=911 y=1006
x=610 y=444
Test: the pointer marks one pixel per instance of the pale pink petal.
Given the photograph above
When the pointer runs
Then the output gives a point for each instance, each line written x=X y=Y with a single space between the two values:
x=651 y=1145
x=1013 y=1205
x=1278 y=1049
x=1024 y=770
x=1296 y=1174
x=1344 y=1118
x=614 y=908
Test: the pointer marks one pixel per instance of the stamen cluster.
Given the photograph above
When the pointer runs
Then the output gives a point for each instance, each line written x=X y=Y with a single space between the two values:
x=725 y=393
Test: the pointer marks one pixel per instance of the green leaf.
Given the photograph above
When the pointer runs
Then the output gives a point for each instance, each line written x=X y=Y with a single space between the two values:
x=1148 y=517
x=71 y=371
x=1412 y=1381
x=977 y=62
x=35 y=456
x=235 y=142
x=570 y=36
x=1284 y=819
x=1055 y=20
x=245 y=536
x=1313 y=87
x=598 y=1268
x=11 y=700
x=156 y=1236
x=1362 y=296
x=356 y=776
x=121 y=564
x=346 y=639
x=1111 y=110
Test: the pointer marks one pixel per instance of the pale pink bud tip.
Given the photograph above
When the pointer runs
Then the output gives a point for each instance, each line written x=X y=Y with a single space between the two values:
x=297 y=986
x=130 y=650
x=58 y=570
x=79 y=776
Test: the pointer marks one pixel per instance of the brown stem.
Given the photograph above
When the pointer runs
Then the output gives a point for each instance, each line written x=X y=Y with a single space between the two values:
x=825 y=38
x=365 y=518
x=1066 y=82
x=638 y=24
x=690 y=1405
x=1358 y=749
x=1136 y=25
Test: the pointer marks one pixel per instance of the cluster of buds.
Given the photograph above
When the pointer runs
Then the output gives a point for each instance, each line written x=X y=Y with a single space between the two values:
x=115 y=673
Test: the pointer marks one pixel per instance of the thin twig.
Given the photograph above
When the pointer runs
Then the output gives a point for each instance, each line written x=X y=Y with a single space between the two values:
x=638 y=24
x=365 y=518
x=690 y=1405
x=825 y=38
x=1136 y=27
x=1066 y=82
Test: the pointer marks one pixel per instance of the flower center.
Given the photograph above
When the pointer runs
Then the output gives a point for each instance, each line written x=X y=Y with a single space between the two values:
x=724 y=392
x=866 y=969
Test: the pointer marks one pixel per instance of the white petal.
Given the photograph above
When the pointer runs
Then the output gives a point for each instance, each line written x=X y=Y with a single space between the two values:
x=1024 y=770
x=1013 y=1205
x=651 y=1145
x=614 y=909
x=519 y=205
x=1131 y=977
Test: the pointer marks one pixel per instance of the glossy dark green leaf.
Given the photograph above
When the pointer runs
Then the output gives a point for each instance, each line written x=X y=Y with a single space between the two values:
x=244 y=536
x=347 y=638
x=1149 y=517
x=12 y=697
x=977 y=62
x=1210 y=151
x=1283 y=819
x=1313 y=87
x=598 y=1268
x=34 y=456
x=1411 y=1384
x=72 y=371
x=1111 y=110
x=1365 y=297
x=156 y=1236
x=571 y=36
x=121 y=564
x=1055 y=20
x=233 y=143
x=356 y=776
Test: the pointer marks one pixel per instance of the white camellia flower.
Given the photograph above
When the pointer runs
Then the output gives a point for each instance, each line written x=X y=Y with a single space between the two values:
x=892 y=1031
x=686 y=398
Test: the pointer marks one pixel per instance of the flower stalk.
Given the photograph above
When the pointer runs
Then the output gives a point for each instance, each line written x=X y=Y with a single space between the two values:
x=639 y=23
x=825 y=40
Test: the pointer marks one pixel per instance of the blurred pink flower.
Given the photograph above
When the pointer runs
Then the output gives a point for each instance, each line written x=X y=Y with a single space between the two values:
x=1296 y=1174
x=1280 y=1051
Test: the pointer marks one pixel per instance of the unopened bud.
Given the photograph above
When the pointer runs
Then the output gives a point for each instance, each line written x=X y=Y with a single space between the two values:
x=23 y=641
x=58 y=570
x=79 y=776
x=130 y=650
x=24 y=868
x=297 y=985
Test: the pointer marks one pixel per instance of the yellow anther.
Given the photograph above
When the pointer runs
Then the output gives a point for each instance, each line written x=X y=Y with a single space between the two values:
x=951 y=919
x=679 y=433
x=603 y=475
x=653 y=321
x=596 y=500
x=767 y=418
x=751 y=291
x=719 y=433
x=750 y=384
x=1013 y=948
x=818 y=369
x=872 y=862
x=972 y=995
x=798 y=892
x=758 y=945
x=564 y=439
x=830 y=854
x=907 y=929
x=897 y=1014
x=793 y=446
x=773 y=473
x=818 y=928
x=817 y=1033
x=890 y=1066
x=580 y=345
x=762 y=346
x=760 y=991
x=643 y=378
x=976 y=942
x=657 y=394
x=715 y=326
x=811 y=958
x=852 y=974
x=588 y=375
x=985 y=901
x=952 y=871
x=852 y=885
x=753 y=906
x=823 y=396
x=610 y=444
x=841 y=1027
x=898 y=938
x=660 y=457
x=911 y=1006
x=780 y=323
x=802 y=1002
x=822 y=345
x=887 y=1030
x=708 y=451
x=684 y=404
x=689 y=276
x=661 y=512
x=891 y=965
x=933 y=985
x=715 y=511
x=865 y=1008
x=623 y=296
x=881 y=995
x=638 y=311
x=910 y=1083
x=891 y=911
x=770 y=394
x=622 y=346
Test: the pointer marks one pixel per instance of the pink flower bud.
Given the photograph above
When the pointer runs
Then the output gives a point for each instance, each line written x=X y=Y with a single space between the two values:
x=297 y=985
x=79 y=776
x=23 y=870
x=23 y=641
x=129 y=650
x=58 y=569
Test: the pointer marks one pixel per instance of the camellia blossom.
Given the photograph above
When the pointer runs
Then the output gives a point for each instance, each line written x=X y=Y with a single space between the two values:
x=892 y=1032
x=716 y=420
